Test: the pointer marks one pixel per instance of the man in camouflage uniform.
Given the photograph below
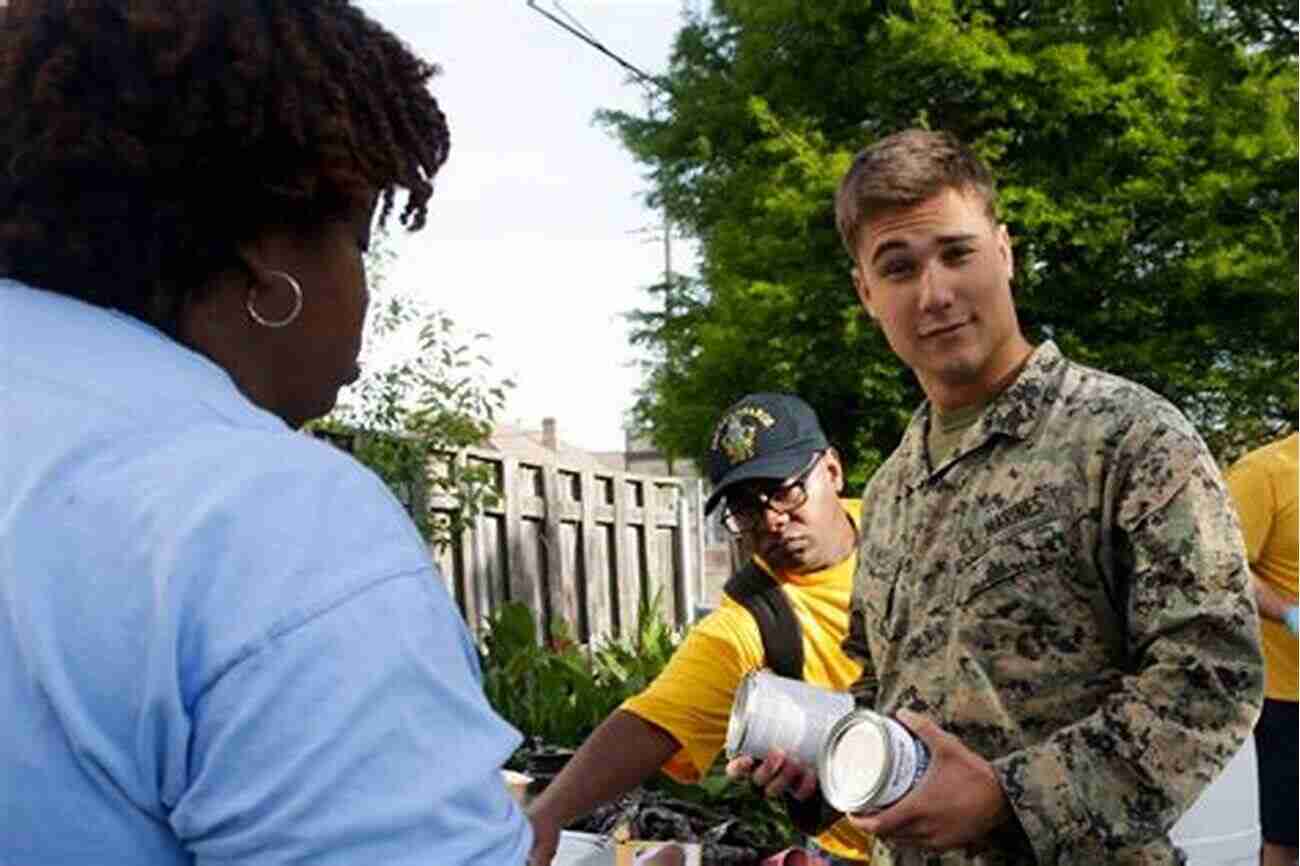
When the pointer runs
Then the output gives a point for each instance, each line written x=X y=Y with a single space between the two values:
x=1051 y=590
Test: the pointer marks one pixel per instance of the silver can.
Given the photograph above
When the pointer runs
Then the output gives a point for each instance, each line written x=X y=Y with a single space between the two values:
x=869 y=762
x=772 y=712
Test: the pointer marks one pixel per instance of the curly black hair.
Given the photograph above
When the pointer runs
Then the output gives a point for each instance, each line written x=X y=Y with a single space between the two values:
x=144 y=140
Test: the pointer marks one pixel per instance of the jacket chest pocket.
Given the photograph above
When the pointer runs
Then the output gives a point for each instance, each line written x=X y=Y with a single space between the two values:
x=1018 y=565
x=1019 y=606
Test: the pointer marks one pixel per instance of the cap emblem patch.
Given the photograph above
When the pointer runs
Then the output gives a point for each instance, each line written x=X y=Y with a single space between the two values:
x=737 y=435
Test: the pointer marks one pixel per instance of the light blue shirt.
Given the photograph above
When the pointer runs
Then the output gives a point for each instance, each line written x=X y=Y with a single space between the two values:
x=221 y=641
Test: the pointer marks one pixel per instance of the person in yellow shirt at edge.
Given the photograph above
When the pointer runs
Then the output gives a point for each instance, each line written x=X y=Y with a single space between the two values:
x=1263 y=486
x=780 y=480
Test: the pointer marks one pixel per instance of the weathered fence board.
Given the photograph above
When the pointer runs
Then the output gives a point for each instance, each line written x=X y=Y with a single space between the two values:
x=577 y=545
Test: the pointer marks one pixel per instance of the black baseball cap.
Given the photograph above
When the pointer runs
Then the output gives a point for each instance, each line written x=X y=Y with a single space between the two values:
x=762 y=436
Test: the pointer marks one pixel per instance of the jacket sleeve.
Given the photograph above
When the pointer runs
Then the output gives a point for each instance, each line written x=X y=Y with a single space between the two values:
x=1192 y=688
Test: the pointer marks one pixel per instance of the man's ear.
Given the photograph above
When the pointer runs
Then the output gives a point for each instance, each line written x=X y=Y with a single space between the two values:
x=1004 y=250
x=864 y=292
x=834 y=470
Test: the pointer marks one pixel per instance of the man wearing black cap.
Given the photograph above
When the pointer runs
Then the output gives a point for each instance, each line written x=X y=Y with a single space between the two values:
x=778 y=481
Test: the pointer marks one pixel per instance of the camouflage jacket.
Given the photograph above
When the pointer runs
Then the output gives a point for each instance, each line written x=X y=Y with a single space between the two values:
x=1069 y=596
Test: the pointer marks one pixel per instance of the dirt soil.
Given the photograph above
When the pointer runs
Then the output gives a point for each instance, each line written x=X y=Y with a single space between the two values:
x=650 y=815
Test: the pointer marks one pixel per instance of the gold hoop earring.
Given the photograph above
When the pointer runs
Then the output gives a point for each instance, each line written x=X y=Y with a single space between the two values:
x=293 y=313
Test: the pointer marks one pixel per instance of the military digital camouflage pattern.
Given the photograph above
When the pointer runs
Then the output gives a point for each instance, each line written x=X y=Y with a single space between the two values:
x=986 y=598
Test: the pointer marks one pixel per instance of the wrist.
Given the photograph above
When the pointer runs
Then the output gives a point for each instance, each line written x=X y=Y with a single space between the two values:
x=548 y=810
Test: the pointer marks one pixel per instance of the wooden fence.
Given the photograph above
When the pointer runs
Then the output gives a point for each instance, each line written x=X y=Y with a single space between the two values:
x=581 y=546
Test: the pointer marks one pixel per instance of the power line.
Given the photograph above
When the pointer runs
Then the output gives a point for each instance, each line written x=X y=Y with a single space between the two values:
x=578 y=30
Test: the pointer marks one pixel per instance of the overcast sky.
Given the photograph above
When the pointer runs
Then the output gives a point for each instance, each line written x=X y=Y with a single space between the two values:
x=537 y=231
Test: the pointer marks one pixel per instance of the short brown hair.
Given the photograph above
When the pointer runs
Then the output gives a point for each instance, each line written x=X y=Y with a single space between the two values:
x=903 y=169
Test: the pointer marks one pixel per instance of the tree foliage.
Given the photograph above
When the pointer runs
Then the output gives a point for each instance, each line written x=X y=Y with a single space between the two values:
x=427 y=393
x=1146 y=156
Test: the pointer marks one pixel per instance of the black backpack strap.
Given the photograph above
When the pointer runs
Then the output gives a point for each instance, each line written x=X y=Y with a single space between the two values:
x=757 y=592
x=762 y=596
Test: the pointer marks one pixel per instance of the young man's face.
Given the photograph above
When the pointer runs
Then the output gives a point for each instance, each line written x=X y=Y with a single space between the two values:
x=937 y=277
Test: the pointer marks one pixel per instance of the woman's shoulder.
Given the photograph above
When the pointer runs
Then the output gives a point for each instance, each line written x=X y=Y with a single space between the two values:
x=274 y=463
x=247 y=487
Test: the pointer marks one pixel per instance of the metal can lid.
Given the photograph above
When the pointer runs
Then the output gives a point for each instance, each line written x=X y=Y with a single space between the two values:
x=739 y=712
x=855 y=761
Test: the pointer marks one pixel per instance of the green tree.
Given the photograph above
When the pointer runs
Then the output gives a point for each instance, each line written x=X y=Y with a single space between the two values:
x=427 y=393
x=1146 y=156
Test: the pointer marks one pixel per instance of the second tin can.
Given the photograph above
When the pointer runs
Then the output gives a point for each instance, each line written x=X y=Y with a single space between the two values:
x=868 y=762
x=773 y=712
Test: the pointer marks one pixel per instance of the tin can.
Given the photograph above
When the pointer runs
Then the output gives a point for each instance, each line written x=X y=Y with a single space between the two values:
x=869 y=762
x=772 y=712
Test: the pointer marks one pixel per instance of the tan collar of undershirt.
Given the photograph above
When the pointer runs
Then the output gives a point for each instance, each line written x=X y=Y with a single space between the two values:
x=947 y=428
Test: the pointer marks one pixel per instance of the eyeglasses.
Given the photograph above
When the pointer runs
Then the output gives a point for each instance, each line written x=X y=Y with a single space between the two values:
x=745 y=508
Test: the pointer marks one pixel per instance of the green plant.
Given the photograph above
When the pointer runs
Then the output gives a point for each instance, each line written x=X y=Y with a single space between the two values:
x=556 y=692
x=765 y=822
x=544 y=691
x=630 y=665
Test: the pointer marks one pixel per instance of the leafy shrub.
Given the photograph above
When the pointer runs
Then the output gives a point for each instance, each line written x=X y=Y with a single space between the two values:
x=557 y=692
x=765 y=821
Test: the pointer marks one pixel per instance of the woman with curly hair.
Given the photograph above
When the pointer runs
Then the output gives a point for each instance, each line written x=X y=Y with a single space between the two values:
x=221 y=641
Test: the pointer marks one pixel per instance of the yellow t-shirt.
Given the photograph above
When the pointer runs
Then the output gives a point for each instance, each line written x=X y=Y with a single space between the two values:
x=691 y=698
x=1263 y=484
